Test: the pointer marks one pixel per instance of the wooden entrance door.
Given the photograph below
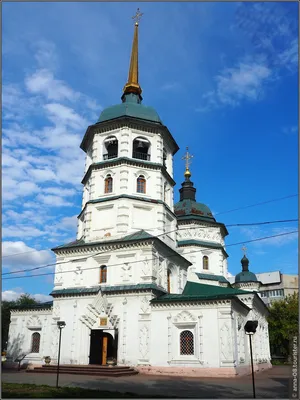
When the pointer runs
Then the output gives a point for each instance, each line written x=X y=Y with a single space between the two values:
x=101 y=347
x=104 y=350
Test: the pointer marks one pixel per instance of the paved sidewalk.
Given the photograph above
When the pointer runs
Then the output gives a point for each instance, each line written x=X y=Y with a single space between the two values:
x=272 y=384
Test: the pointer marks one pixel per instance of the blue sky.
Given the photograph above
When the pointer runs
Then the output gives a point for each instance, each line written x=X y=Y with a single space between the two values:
x=223 y=78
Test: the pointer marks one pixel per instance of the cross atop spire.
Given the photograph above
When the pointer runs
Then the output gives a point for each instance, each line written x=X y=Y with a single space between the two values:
x=132 y=86
x=244 y=249
x=138 y=15
x=187 y=157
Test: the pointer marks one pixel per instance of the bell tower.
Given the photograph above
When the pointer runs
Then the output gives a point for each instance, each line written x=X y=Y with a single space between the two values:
x=128 y=180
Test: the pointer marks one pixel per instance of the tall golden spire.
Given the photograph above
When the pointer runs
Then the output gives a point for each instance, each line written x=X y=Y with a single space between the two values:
x=187 y=159
x=132 y=85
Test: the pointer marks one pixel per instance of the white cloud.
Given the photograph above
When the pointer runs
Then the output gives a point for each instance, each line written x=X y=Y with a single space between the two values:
x=289 y=58
x=36 y=215
x=60 y=191
x=42 y=298
x=45 y=54
x=43 y=82
x=13 y=189
x=60 y=114
x=28 y=256
x=12 y=295
x=69 y=223
x=243 y=82
x=52 y=200
x=22 y=231
x=257 y=232
x=42 y=175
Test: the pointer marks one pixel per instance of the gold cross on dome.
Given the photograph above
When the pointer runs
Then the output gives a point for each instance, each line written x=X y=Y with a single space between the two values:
x=244 y=248
x=187 y=158
x=137 y=16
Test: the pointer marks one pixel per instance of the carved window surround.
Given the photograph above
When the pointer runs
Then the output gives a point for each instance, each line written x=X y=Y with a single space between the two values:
x=188 y=322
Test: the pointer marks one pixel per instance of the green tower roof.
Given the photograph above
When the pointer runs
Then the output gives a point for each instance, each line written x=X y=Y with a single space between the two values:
x=245 y=275
x=191 y=207
x=131 y=107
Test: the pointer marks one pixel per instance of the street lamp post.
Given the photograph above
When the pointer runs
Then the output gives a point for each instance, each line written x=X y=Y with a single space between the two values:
x=61 y=325
x=250 y=329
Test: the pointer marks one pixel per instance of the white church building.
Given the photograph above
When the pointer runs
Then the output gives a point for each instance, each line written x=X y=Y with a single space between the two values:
x=145 y=282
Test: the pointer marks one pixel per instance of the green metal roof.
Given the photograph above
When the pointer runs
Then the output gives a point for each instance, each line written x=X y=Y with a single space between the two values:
x=137 y=236
x=200 y=292
x=131 y=108
x=173 y=298
x=200 y=289
x=245 y=276
x=91 y=290
x=210 y=277
x=194 y=242
x=140 y=286
x=105 y=289
x=191 y=207
x=140 y=235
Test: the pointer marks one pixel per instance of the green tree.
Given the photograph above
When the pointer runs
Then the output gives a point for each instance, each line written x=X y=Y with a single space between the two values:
x=23 y=301
x=283 y=324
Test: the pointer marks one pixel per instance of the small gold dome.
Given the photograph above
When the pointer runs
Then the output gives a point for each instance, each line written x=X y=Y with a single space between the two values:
x=187 y=173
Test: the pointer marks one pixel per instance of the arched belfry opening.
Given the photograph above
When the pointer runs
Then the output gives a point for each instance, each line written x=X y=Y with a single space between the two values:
x=169 y=274
x=141 y=149
x=110 y=148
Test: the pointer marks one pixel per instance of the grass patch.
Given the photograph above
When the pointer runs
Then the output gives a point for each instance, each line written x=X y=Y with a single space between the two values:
x=16 y=390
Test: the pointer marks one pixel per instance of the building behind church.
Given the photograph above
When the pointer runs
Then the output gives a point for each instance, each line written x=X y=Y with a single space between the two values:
x=145 y=282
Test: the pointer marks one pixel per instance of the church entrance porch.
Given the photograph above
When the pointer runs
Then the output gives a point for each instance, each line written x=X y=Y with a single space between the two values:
x=102 y=347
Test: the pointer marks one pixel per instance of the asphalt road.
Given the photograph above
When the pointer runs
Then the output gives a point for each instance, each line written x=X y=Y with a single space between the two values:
x=271 y=384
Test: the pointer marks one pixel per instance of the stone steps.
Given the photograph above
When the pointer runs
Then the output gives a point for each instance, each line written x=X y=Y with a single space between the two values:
x=97 y=370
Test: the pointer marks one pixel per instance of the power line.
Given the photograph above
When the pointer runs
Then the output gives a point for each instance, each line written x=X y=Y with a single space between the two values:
x=161 y=234
x=204 y=226
x=66 y=262
x=264 y=223
x=257 y=204
x=134 y=262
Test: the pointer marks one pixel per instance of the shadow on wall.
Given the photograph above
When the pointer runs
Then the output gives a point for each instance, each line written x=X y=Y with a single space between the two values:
x=15 y=354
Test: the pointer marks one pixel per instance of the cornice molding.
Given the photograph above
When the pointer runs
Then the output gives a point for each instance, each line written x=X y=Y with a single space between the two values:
x=32 y=311
x=190 y=303
x=194 y=219
x=128 y=161
x=93 y=247
x=198 y=243
x=126 y=196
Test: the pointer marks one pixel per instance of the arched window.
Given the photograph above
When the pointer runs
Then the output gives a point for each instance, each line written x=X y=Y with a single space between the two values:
x=205 y=262
x=141 y=149
x=169 y=280
x=103 y=273
x=35 y=342
x=141 y=184
x=108 y=187
x=186 y=343
x=110 y=148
